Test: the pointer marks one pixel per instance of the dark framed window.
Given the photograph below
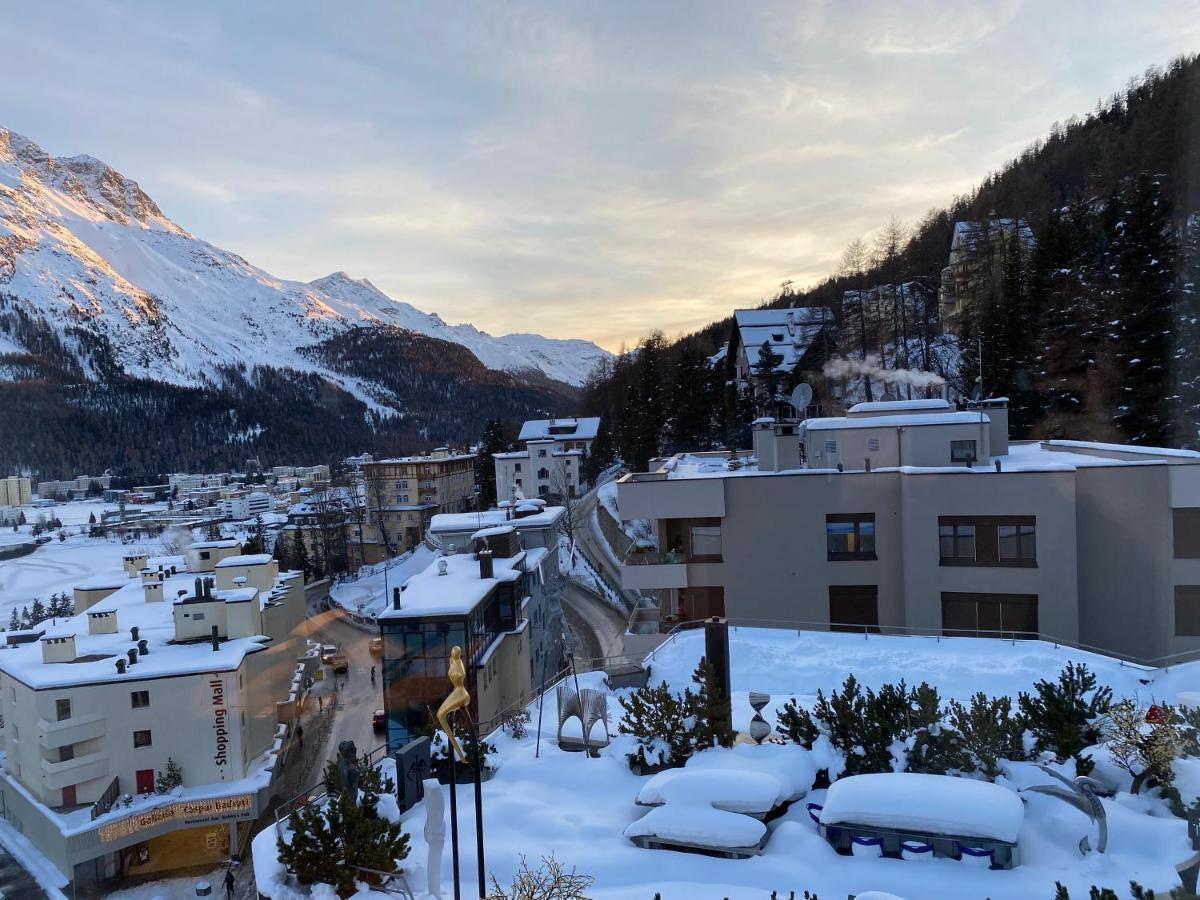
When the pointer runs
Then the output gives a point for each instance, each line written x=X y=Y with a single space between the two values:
x=956 y=541
x=962 y=451
x=139 y=699
x=141 y=738
x=1187 y=610
x=989 y=615
x=850 y=536
x=66 y=752
x=62 y=709
x=1017 y=543
x=854 y=607
x=1186 y=532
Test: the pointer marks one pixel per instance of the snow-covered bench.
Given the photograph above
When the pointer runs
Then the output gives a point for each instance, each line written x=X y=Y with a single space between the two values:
x=792 y=765
x=713 y=811
x=951 y=817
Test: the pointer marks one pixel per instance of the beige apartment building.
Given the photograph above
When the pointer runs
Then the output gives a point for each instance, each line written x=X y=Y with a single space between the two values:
x=401 y=495
x=200 y=671
x=919 y=517
x=15 y=491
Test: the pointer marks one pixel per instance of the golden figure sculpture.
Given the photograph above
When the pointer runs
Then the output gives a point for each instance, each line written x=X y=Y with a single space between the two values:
x=458 y=699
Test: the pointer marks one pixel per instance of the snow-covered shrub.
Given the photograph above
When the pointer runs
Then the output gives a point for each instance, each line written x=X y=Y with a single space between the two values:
x=796 y=722
x=440 y=750
x=1065 y=716
x=1145 y=749
x=864 y=727
x=988 y=731
x=516 y=723
x=661 y=723
x=167 y=781
x=932 y=746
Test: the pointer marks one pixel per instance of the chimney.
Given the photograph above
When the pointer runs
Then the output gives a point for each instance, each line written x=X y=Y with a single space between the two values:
x=216 y=641
x=199 y=588
x=132 y=654
x=841 y=468
x=143 y=647
x=120 y=667
x=485 y=563
x=442 y=569
x=395 y=598
x=997 y=465
x=133 y=634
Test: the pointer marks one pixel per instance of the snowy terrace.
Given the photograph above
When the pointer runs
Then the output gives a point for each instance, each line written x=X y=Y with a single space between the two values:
x=543 y=800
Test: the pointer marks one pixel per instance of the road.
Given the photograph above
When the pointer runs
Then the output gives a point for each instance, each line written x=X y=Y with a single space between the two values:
x=357 y=698
x=594 y=548
x=598 y=628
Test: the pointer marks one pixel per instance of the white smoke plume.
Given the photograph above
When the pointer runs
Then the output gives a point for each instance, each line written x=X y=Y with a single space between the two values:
x=840 y=367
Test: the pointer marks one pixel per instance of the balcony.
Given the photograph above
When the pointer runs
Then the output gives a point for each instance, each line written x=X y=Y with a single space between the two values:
x=52 y=735
x=651 y=570
x=56 y=775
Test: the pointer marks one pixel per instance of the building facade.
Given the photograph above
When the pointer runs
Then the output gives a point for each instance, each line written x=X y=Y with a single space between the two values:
x=917 y=517
x=15 y=491
x=167 y=672
x=551 y=464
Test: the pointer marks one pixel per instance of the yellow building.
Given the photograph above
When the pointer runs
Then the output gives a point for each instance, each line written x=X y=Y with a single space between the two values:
x=15 y=491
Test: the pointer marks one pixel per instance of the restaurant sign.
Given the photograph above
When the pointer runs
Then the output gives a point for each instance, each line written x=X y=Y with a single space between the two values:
x=186 y=811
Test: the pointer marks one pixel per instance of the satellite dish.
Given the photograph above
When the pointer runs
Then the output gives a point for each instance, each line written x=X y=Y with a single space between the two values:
x=802 y=395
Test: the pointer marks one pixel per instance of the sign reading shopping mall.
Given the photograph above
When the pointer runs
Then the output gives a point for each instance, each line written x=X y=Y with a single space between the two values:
x=187 y=811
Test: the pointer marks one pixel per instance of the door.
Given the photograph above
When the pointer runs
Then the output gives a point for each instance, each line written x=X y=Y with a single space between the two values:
x=854 y=607
x=145 y=781
x=68 y=795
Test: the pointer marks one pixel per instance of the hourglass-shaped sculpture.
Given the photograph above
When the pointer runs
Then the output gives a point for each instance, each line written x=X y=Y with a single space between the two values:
x=759 y=729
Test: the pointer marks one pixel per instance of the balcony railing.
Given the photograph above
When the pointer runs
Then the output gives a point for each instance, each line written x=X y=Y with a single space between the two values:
x=107 y=799
x=52 y=735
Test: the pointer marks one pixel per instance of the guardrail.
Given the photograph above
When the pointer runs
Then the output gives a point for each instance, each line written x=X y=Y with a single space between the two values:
x=1160 y=662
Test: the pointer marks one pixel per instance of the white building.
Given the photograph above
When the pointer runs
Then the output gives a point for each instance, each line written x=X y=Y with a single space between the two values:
x=551 y=463
x=246 y=506
x=198 y=671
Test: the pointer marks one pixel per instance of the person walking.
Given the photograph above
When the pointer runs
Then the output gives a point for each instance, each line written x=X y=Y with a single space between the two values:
x=372 y=674
x=229 y=884
x=300 y=734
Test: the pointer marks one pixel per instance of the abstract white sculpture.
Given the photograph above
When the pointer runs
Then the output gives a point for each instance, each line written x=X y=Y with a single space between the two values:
x=435 y=835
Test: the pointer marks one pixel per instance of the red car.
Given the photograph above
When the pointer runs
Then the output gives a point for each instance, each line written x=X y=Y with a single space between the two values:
x=379 y=720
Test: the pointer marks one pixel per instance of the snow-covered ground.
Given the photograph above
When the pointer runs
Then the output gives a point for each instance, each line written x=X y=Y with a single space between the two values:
x=577 y=808
x=640 y=531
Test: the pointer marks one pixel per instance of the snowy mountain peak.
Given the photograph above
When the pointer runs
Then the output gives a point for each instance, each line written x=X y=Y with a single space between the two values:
x=82 y=246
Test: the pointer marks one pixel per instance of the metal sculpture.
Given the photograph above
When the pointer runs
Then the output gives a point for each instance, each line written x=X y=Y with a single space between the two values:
x=1081 y=794
x=588 y=705
x=759 y=729
x=459 y=699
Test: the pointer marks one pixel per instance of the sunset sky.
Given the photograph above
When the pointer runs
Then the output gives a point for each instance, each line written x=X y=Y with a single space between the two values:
x=575 y=169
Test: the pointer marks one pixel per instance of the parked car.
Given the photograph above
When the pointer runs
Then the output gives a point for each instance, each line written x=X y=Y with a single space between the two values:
x=328 y=652
x=376 y=646
x=340 y=662
x=379 y=720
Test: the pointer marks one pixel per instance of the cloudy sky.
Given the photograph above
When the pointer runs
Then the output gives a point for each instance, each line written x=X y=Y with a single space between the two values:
x=579 y=169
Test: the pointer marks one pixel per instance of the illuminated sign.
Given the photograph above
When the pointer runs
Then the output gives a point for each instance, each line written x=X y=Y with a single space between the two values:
x=221 y=757
x=213 y=809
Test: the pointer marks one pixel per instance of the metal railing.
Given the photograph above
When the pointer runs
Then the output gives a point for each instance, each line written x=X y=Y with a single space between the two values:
x=107 y=799
x=1011 y=635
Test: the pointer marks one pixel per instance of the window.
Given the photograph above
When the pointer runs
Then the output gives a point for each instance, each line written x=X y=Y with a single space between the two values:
x=139 y=699
x=1006 y=541
x=1186 y=523
x=831 y=446
x=141 y=738
x=706 y=541
x=854 y=607
x=517 y=467
x=1187 y=610
x=1016 y=543
x=518 y=482
x=63 y=709
x=873 y=444
x=403 y=498
x=990 y=615
x=957 y=541
x=962 y=451
x=543 y=473
x=204 y=554
x=197 y=617
x=850 y=536
x=66 y=752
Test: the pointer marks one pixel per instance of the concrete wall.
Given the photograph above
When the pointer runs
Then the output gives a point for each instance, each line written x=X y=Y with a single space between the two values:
x=657 y=498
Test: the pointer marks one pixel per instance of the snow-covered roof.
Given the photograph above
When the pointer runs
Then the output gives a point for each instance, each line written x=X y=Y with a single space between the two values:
x=492 y=531
x=252 y=559
x=953 y=418
x=1125 y=448
x=569 y=428
x=457 y=592
x=878 y=406
x=214 y=545
x=512 y=454
x=156 y=625
x=444 y=457
x=449 y=523
x=788 y=332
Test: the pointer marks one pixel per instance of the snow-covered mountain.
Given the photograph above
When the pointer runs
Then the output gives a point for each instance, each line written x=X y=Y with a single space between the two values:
x=86 y=249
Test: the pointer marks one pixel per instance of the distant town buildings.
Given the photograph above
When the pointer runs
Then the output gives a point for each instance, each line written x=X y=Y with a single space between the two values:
x=551 y=464
x=917 y=516
x=76 y=488
x=15 y=491
x=172 y=690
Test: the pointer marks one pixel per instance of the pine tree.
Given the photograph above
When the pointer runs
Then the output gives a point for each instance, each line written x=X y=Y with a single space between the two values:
x=494 y=441
x=336 y=842
x=37 y=613
x=656 y=719
x=989 y=731
x=172 y=778
x=1064 y=715
x=25 y=620
x=1142 y=313
x=691 y=400
x=300 y=556
x=1185 y=359
x=708 y=709
x=256 y=543
x=14 y=621
x=91 y=518
x=766 y=369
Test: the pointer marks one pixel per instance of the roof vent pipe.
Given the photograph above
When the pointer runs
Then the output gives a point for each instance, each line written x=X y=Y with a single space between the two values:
x=133 y=634
x=143 y=647
x=395 y=598
x=120 y=666
x=199 y=588
x=485 y=563
x=132 y=654
x=841 y=468
x=997 y=465
x=216 y=641
x=867 y=464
